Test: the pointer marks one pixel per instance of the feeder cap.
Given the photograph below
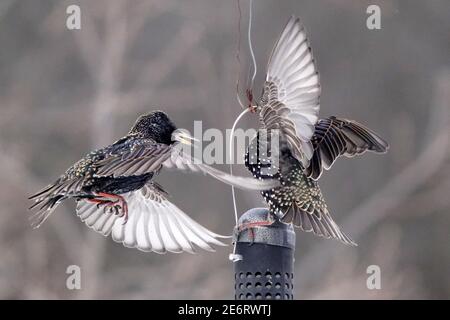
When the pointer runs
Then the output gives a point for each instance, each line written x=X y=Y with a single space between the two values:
x=277 y=234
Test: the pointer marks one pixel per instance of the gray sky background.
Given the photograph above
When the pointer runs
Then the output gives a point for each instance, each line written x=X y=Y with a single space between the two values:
x=65 y=92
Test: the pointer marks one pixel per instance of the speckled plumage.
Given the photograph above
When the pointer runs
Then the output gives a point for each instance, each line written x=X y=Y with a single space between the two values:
x=84 y=180
x=298 y=199
x=289 y=105
x=115 y=183
x=87 y=168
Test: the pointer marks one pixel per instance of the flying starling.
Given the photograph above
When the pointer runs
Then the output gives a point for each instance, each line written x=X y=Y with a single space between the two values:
x=115 y=191
x=290 y=105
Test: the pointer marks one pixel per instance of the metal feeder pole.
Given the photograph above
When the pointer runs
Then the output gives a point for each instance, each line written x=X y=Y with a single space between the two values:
x=264 y=259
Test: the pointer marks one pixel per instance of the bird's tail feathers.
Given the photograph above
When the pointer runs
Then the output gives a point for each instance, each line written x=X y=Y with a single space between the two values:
x=321 y=224
x=47 y=206
x=43 y=193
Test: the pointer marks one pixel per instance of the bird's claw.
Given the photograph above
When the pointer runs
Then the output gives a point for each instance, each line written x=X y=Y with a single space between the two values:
x=118 y=209
x=112 y=208
x=124 y=212
x=115 y=203
x=107 y=205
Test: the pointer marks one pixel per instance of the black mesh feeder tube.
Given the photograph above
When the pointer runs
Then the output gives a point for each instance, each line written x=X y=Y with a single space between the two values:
x=264 y=259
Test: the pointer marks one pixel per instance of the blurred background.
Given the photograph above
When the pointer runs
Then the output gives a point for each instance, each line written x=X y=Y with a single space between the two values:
x=64 y=92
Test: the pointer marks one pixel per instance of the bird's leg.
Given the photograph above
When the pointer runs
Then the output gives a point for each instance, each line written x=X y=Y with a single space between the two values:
x=123 y=203
x=249 y=93
x=100 y=203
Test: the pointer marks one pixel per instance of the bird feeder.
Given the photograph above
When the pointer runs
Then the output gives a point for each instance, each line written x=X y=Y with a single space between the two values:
x=264 y=258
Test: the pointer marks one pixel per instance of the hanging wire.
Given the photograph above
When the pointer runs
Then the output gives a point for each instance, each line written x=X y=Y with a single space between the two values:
x=234 y=257
x=231 y=158
x=238 y=58
x=250 y=45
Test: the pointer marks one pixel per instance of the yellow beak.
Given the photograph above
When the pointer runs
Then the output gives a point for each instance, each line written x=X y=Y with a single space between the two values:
x=184 y=137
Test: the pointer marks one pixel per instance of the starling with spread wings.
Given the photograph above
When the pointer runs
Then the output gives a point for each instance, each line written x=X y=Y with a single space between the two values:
x=116 y=194
x=290 y=105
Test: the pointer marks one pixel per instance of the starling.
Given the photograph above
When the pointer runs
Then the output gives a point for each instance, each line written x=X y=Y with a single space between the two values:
x=115 y=191
x=289 y=105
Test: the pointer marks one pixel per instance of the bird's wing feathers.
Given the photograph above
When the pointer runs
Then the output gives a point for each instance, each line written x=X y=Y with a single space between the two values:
x=150 y=156
x=290 y=100
x=182 y=161
x=145 y=156
x=334 y=137
x=154 y=224
x=129 y=157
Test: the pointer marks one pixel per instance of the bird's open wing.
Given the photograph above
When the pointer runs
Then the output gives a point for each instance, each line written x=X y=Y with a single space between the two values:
x=149 y=156
x=142 y=156
x=334 y=137
x=183 y=161
x=290 y=99
x=154 y=224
